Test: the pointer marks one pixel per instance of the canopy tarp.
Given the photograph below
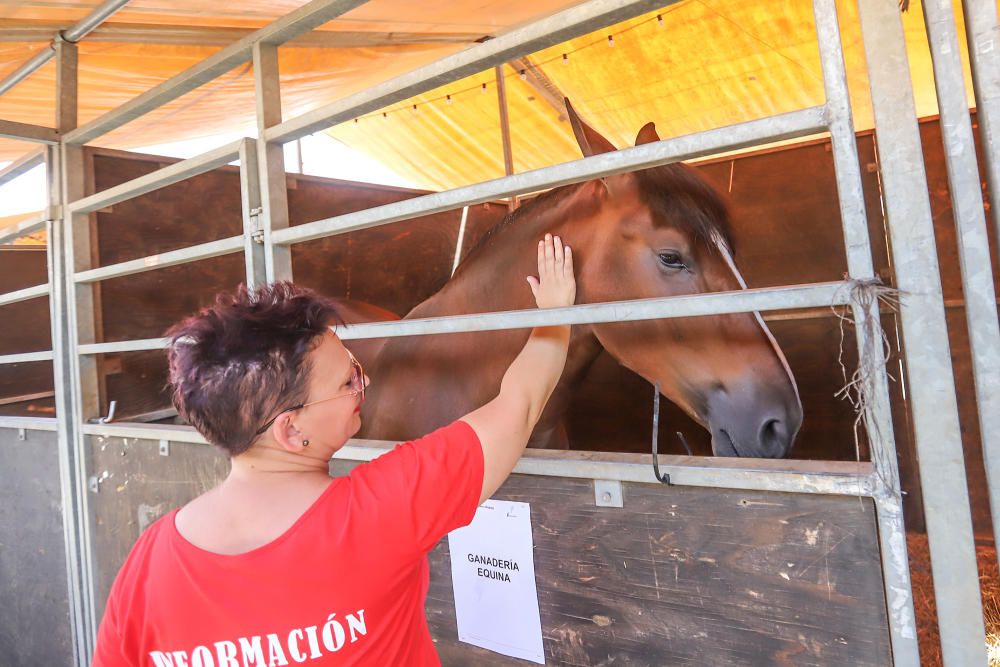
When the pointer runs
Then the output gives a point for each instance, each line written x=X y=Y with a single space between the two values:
x=691 y=66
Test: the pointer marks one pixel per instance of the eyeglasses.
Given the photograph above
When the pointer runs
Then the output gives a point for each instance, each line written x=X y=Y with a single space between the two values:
x=358 y=383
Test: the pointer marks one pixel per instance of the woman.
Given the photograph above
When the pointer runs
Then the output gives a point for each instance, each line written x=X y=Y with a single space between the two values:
x=280 y=564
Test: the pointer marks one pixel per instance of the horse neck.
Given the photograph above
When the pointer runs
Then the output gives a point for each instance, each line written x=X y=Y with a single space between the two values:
x=509 y=258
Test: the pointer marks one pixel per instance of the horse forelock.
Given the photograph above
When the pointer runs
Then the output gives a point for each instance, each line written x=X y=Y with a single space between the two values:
x=679 y=194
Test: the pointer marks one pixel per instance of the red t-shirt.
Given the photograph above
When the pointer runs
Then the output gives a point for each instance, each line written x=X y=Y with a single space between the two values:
x=345 y=585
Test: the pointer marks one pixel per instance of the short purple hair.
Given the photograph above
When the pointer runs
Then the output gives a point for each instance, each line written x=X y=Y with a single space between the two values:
x=237 y=363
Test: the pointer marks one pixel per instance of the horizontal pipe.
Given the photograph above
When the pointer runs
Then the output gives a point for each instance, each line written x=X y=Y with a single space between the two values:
x=555 y=29
x=163 y=260
x=22 y=165
x=302 y=20
x=25 y=227
x=24 y=294
x=792 y=476
x=196 y=35
x=160 y=178
x=26 y=357
x=123 y=346
x=100 y=14
x=696 y=305
x=785 y=126
x=30 y=423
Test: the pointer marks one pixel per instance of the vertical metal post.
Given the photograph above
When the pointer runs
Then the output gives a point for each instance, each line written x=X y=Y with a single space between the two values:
x=508 y=153
x=971 y=234
x=271 y=162
x=62 y=183
x=982 y=30
x=253 y=233
x=878 y=415
x=925 y=334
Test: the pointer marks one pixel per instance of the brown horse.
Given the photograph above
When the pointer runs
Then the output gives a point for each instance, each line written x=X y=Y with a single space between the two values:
x=653 y=233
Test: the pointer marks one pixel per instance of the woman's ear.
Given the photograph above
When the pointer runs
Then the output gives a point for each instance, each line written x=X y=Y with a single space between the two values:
x=286 y=434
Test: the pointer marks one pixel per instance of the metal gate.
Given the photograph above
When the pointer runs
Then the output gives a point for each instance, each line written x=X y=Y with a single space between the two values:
x=267 y=239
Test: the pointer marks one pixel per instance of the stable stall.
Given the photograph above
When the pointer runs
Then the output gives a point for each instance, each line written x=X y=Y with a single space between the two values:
x=733 y=561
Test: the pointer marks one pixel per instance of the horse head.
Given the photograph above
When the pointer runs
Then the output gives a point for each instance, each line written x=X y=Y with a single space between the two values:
x=662 y=232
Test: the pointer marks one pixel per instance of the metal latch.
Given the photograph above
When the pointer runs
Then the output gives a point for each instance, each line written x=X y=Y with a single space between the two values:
x=256 y=229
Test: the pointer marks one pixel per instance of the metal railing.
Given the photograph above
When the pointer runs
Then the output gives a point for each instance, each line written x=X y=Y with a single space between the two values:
x=267 y=237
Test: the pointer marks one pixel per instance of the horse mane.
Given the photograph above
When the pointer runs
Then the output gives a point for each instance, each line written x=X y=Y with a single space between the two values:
x=674 y=192
x=537 y=204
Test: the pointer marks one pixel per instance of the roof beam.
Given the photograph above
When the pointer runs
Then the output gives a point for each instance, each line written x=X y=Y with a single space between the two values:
x=12 y=30
x=302 y=20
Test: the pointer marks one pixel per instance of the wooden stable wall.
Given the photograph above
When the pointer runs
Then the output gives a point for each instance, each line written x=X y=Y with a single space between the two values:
x=24 y=327
x=677 y=576
x=786 y=228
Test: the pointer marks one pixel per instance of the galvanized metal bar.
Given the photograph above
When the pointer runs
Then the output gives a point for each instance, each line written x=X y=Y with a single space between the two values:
x=785 y=126
x=23 y=228
x=559 y=27
x=73 y=34
x=25 y=357
x=982 y=31
x=302 y=20
x=896 y=575
x=195 y=35
x=163 y=260
x=30 y=423
x=823 y=477
x=87 y=349
x=762 y=299
x=253 y=234
x=100 y=14
x=716 y=303
x=24 y=294
x=28 y=68
x=925 y=335
x=26 y=132
x=273 y=195
x=22 y=165
x=65 y=175
x=160 y=178
x=868 y=334
x=971 y=233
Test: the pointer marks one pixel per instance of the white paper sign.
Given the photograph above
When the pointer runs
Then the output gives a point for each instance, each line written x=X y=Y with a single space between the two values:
x=493 y=576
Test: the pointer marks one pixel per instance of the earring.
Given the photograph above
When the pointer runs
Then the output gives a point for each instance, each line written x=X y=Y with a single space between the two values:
x=305 y=443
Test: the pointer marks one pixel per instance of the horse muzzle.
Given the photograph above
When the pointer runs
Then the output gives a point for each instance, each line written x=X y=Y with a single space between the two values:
x=753 y=422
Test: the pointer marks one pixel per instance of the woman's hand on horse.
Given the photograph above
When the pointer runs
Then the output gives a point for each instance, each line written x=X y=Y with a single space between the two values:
x=555 y=285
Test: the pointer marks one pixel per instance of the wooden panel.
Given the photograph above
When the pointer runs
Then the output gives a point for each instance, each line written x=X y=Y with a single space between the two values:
x=394 y=266
x=35 y=629
x=24 y=327
x=139 y=487
x=690 y=576
x=679 y=576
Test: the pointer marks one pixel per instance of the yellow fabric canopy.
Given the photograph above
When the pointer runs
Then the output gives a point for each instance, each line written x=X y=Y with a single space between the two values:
x=694 y=65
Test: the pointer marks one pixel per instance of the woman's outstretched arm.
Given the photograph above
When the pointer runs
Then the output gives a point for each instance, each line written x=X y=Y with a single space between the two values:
x=505 y=423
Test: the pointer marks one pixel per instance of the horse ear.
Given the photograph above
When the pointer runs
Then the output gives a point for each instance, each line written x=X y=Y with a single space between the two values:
x=647 y=135
x=591 y=143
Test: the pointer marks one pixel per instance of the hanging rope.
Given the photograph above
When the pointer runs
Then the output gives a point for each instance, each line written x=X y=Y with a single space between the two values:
x=867 y=296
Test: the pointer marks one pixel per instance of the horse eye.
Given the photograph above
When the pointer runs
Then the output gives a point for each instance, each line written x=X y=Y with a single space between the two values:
x=672 y=259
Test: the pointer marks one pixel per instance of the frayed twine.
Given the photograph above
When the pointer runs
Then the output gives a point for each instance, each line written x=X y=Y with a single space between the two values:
x=867 y=298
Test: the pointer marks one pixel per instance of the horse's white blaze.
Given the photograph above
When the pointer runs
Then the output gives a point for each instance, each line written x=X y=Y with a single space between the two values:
x=720 y=243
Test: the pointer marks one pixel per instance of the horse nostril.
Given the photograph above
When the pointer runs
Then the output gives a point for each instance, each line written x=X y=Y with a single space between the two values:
x=773 y=438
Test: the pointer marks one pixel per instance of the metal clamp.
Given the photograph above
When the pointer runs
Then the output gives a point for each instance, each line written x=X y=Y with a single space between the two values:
x=256 y=231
